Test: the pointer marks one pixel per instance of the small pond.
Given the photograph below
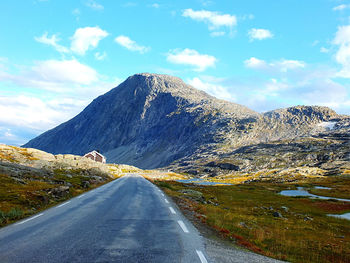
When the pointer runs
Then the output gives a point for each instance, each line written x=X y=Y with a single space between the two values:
x=345 y=216
x=302 y=192
x=200 y=181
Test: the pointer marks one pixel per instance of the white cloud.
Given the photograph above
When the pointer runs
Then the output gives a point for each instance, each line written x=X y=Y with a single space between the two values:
x=313 y=85
x=191 y=57
x=217 y=33
x=255 y=63
x=286 y=65
x=129 y=4
x=3 y=62
x=70 y=71
x=100 y=56
x=342 y=39
x=29 y=115
x=282 y=65
x=259 y=34
x=155 y=5
x=315 y=43
x=324 y=50
x=35 y=113
x=52 y=41
x=8 y=136
x=246 y=17
x=214 y=20
x=131 y=44
x=213 y=89
x=340 y=7
x=94 y=5
x=206 y=2
x=76 y=12
x=274 y=86
x=87 y=38
x=61 y=76
x=323 y=92
x=31 y=110
x=82 y=40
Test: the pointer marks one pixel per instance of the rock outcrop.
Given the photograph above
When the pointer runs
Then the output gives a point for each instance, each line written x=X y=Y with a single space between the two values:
x=21 y=162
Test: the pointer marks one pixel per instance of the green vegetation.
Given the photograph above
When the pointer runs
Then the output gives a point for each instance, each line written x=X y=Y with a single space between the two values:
x=129 y=170
x=255 y=216
x=23 y=197
x=13 y=214
x=7 y=156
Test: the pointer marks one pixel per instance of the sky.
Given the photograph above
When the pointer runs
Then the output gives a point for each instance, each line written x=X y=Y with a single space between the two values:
x=56 y=56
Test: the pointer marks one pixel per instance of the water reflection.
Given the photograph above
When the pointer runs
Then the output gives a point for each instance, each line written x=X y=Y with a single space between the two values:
x=302 y=192
x=345 y=216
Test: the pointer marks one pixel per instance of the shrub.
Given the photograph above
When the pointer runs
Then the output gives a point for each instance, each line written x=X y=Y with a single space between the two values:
x=166 y=185
x=14 y=213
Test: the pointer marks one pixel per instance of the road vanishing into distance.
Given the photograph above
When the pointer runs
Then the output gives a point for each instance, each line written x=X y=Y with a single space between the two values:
x=127 y=220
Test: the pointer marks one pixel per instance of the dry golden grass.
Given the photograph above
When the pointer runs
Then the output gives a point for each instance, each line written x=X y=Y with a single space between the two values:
x=160 y=175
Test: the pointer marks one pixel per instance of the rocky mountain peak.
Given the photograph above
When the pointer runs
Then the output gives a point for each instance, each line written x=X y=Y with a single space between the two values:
x=159 y=83
x=151 y=120
x=310 y=114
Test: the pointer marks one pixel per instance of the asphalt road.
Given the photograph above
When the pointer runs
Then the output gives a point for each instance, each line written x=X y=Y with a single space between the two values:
x=127 y=220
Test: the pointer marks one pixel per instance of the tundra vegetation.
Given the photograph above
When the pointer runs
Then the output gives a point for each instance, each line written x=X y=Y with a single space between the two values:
x=32 y=180
x=255 y=216
x=25 y=197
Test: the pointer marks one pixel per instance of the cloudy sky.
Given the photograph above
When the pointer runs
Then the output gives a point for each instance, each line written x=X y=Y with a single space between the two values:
x=57 y=55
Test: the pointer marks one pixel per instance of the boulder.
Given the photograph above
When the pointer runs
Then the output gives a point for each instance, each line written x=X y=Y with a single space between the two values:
x=224 y=165
x=59 y=192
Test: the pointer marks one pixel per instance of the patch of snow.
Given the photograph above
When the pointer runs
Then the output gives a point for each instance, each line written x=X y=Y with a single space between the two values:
x=329 y=125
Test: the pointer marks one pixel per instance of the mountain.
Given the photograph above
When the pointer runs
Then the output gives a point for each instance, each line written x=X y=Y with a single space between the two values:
x=153 y=120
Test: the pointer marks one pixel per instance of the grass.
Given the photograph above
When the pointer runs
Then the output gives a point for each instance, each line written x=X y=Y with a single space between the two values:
x=6 y=156
x=25 y=152
x=245 y=214
x=22 y=199
x=162 y=175
x=339 y=189
x=13 y=214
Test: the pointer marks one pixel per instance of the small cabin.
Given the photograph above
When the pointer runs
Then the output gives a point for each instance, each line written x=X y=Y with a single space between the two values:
x=96 y=156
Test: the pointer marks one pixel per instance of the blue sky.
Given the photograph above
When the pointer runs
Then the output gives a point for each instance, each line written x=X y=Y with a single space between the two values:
x=56 y=56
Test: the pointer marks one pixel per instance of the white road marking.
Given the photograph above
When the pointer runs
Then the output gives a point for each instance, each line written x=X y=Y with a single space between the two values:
x=166 y=201
x=80 y=196
x=172 y=210
x=20 y=223
x=201 y=256
x=64 y=204
x=182 y=225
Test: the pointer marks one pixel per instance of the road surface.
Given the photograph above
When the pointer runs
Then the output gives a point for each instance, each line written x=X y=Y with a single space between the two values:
x=127 y=220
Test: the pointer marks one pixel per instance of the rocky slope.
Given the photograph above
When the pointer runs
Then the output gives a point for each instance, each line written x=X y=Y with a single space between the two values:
x=40 y=162
x=324 y=151
x=155 y=120
x=148 y=121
